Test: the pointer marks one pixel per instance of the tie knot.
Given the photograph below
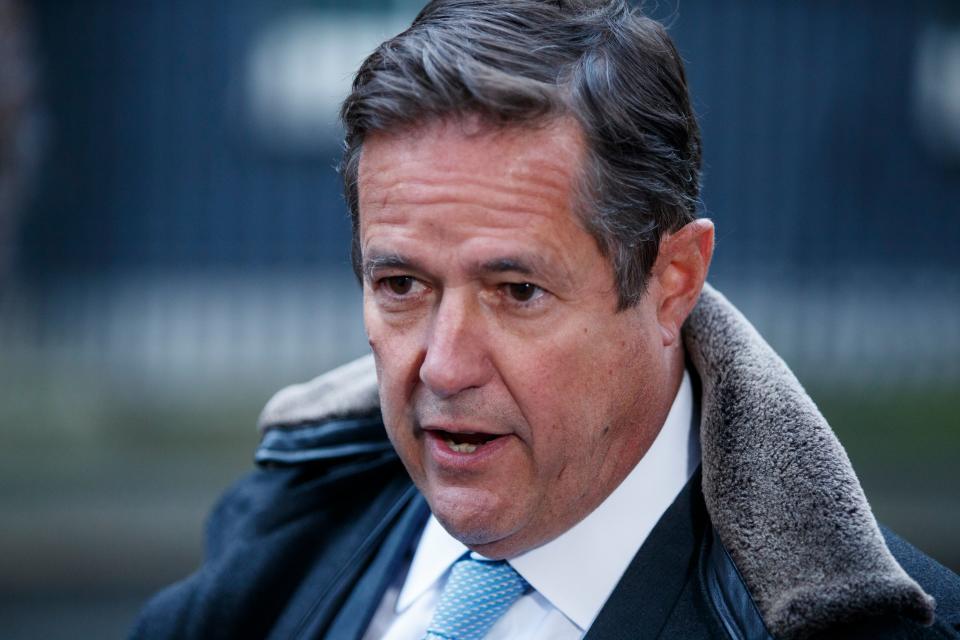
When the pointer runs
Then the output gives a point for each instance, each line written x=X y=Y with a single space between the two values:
x=477 y=593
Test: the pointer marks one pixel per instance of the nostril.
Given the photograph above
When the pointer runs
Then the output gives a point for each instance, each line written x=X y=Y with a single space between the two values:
x=449 y=372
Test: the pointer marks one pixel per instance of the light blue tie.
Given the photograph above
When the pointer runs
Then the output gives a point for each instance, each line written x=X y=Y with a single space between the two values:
x=478 y=592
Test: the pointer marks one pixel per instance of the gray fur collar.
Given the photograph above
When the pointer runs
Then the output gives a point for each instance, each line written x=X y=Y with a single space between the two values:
x=777 y=484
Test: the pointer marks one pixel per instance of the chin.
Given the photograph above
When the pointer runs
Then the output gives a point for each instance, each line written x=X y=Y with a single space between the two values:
x=475 y=517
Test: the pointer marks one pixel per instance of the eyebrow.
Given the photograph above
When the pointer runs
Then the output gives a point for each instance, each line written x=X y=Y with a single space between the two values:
x=514 y=264
x=379 y=261
x=527 y=265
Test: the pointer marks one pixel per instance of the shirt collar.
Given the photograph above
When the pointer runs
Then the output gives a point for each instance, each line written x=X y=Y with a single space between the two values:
x=577 y=583
x=436 y=552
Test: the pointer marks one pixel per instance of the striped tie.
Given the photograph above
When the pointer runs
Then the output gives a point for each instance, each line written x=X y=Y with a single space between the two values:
x=478 y=592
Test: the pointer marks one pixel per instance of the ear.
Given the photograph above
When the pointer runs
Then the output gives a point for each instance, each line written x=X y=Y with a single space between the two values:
x=680 y=271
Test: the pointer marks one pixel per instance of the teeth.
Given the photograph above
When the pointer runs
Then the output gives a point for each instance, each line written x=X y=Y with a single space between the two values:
x=465 y=447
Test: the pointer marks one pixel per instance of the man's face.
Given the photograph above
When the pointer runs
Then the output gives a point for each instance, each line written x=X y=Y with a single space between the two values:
x=515 y=394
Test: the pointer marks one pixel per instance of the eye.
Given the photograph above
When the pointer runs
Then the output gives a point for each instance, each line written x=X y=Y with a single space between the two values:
x=522 y=291
x=400 y=292
x=399 y=285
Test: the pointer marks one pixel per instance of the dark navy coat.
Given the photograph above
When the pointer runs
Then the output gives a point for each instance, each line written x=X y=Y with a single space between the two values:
x=305 y=546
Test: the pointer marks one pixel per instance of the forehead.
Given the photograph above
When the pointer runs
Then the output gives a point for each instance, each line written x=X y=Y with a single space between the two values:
x=459 y=176
x=467 y=143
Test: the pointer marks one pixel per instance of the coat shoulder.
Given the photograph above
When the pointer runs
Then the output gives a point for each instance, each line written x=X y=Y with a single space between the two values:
x=309 y=514
x=936 y=579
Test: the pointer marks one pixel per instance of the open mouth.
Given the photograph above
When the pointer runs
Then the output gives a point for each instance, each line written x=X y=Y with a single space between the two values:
x=465 y=442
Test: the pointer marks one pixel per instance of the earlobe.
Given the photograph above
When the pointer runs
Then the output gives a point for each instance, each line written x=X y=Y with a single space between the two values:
x=680 y=270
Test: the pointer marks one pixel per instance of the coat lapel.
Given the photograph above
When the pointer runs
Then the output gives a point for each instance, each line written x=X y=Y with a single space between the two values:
x=355 y=614
x=643 y=600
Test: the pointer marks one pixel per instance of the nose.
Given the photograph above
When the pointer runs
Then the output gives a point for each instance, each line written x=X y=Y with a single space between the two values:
x=455 y=357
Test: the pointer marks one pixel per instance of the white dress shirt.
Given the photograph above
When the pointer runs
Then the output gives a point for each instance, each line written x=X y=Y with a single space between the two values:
x=572 y=575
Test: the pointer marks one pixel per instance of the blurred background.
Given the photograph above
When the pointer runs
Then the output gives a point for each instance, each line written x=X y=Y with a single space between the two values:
x=174 y=248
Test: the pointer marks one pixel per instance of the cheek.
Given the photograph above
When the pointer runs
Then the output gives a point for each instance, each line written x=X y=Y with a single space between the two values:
x=577 y=385
x=396 y=360
x=553 y=382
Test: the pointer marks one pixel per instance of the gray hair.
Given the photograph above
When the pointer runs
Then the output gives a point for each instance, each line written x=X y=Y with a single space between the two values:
x=512 y=62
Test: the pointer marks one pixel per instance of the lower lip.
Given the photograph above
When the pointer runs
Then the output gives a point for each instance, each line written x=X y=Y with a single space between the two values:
x=447 y=458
